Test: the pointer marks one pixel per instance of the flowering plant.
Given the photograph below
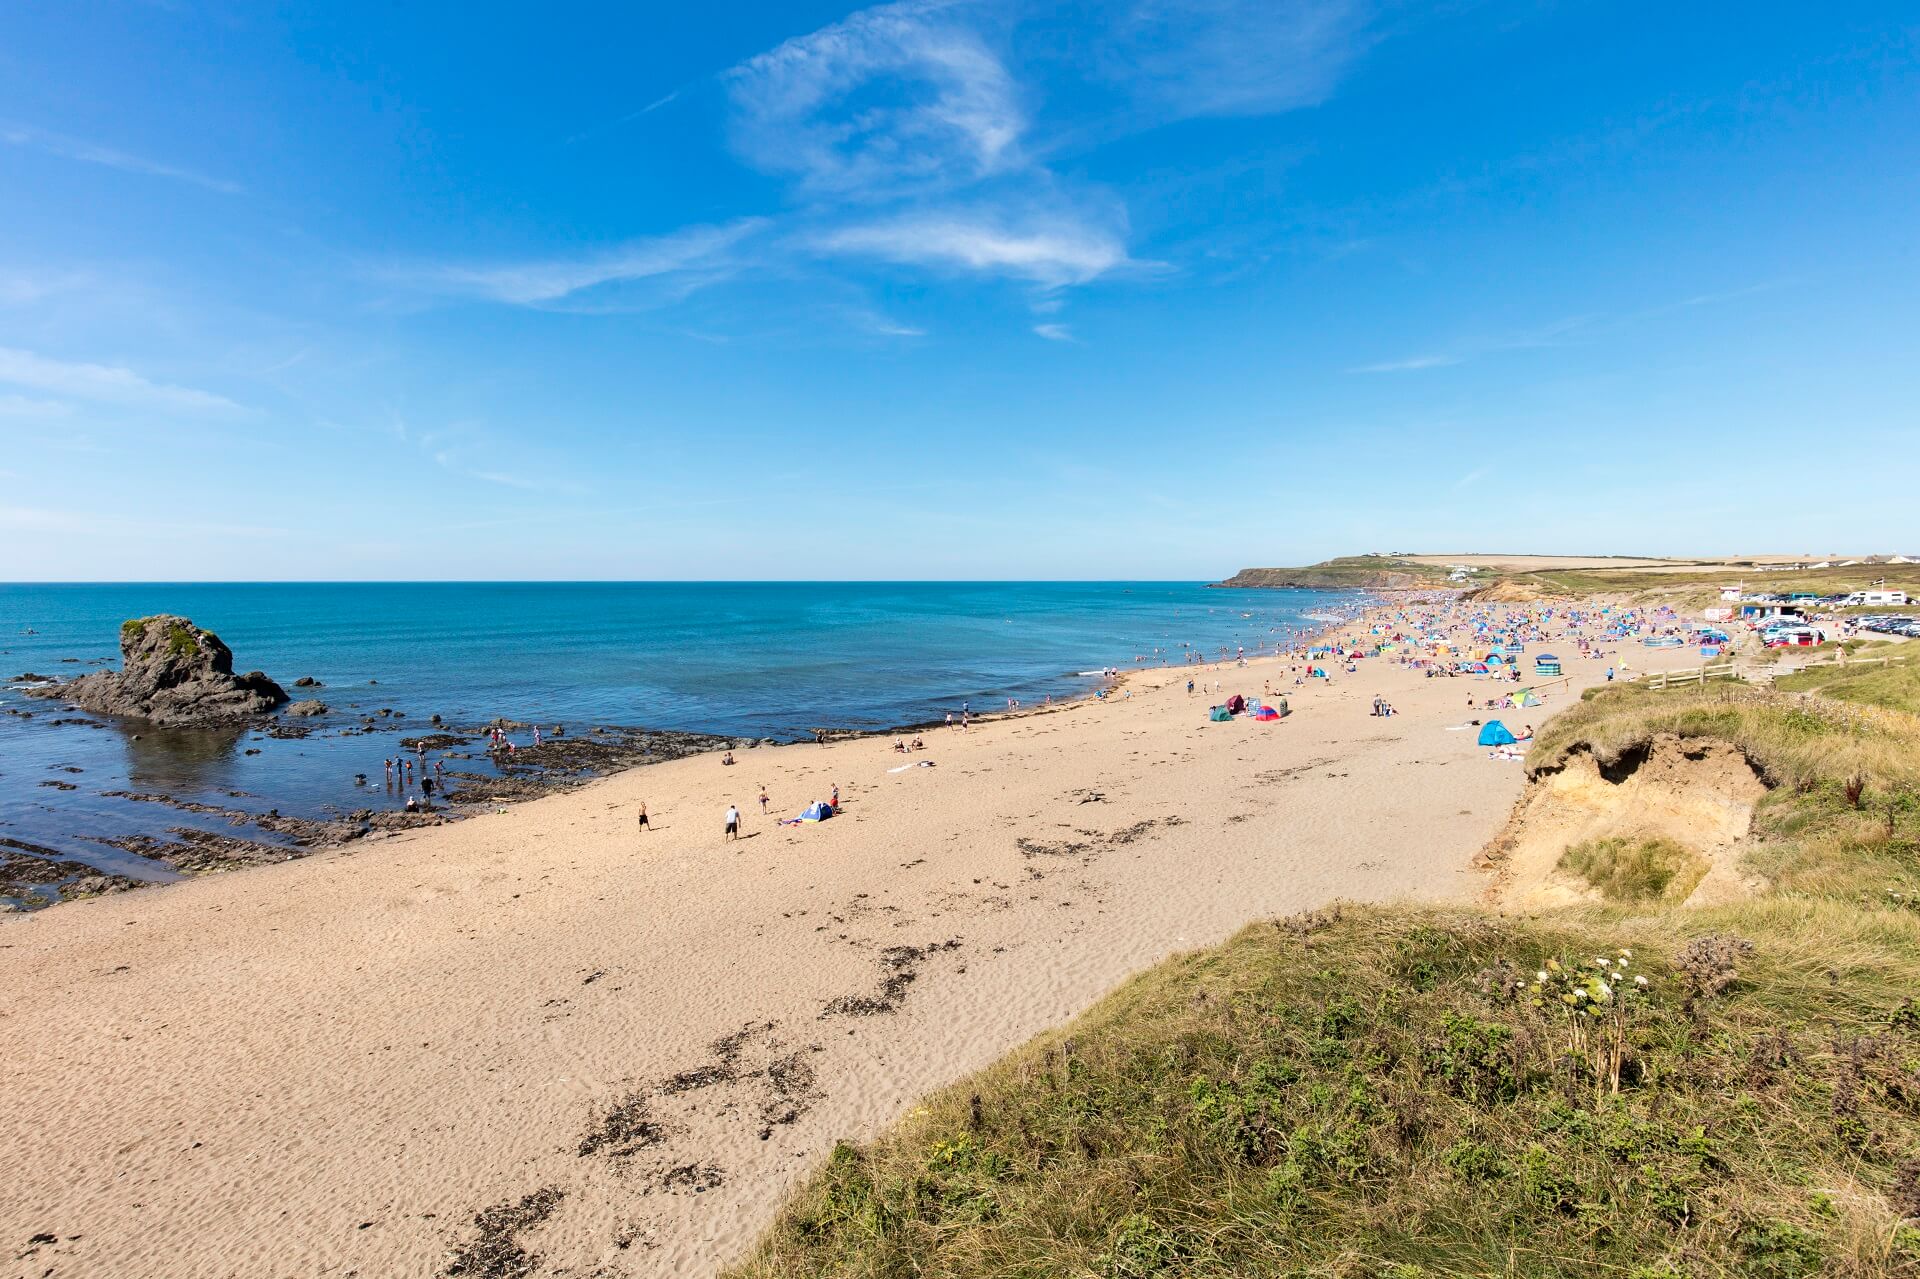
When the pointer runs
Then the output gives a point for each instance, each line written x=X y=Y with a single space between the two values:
x=1595 y=1001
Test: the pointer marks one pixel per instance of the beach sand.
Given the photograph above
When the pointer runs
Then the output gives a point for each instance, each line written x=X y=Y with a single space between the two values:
x=330 y=1067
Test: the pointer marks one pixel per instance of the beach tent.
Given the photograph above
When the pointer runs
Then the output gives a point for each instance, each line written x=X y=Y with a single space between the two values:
x=1546 y=664
x=1266 y=713
x=1494 y=733
x=1236 y=704
x=816 y=812
x=1219 y=714
x=1526 y=697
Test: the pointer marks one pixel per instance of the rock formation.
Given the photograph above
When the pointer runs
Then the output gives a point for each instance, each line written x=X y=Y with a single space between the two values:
x=171 y=672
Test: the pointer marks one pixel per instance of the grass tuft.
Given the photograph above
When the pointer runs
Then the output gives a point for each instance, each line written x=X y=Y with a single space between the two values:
x=1636 y=868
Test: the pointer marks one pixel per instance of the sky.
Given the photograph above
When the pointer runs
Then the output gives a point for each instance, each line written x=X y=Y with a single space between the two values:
x=978 y=290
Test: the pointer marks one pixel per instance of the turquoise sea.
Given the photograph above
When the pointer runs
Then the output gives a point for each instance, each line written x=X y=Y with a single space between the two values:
x=750 y=660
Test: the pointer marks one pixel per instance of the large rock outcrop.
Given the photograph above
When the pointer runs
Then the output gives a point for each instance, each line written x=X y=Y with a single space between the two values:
x=171 y=672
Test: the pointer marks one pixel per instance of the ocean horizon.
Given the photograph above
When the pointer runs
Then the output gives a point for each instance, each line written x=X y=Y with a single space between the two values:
x=745 y=660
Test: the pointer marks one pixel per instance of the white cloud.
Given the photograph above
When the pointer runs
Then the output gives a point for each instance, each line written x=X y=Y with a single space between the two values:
x=694 y=251
x=1406 y=366
x=22 y=288
x=27 y=406
x=1052 y=252
x=105 y=384
x=89 y=153
x=1234 y=57
x=894 y=98
x=1054 y=332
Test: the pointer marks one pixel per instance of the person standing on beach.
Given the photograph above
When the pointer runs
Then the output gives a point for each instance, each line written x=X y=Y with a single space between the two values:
x=763 y=801
x=834 y=803
x=644 y=825
x=733 y=822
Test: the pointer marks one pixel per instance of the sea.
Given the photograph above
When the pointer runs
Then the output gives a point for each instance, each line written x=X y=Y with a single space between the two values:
x=752 y=661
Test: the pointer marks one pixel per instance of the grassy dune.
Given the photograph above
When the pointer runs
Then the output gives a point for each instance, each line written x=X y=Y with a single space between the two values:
x=1393 y=1093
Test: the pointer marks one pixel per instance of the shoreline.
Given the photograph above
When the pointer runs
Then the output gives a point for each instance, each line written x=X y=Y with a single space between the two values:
x=31 y=872
x=667 y=1029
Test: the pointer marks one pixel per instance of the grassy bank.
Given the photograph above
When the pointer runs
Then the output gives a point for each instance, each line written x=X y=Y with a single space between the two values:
x=1392 y=1094
x=1348 y=573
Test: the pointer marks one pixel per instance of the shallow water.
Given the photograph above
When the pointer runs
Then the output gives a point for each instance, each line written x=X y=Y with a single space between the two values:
x=746 y=660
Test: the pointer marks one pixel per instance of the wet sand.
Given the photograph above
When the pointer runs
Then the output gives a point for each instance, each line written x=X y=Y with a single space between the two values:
x=621 y=1047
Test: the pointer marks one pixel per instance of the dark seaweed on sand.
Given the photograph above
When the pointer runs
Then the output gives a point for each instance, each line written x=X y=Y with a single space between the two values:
x=497 y=1252
x=626 y=1128
x=899 y=966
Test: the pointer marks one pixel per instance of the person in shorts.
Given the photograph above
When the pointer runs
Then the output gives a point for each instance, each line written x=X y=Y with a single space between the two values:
x=733 y=822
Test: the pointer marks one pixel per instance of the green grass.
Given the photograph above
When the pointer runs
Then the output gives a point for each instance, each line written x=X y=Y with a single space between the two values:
x=1377 y=1094
x=1350 y=572
x=1390 y=1093
x=181 y=643
x=1895 y=686
x=1641 y=869
x=1794 y=741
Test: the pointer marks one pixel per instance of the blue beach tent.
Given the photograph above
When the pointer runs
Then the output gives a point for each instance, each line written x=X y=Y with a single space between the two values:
x=1494 y=733
x=816 y=812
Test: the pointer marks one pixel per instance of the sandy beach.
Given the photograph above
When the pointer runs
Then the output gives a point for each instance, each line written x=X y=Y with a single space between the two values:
x=330 y=1067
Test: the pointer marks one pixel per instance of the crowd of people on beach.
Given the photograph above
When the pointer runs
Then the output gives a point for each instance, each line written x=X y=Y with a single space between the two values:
x=1440 y=638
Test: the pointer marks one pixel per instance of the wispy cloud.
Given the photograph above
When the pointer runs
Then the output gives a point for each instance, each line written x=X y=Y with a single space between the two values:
x=699 y=251
x=893 y=99
x=28 y=407
x=1409 y=365
x=1051 y=252
x=22 y=288
x=84 y=152
x=1234 y=57
x=469 y=451
x=105 y=384
x=882 y=324
x=94 y=523
x=1054 y=332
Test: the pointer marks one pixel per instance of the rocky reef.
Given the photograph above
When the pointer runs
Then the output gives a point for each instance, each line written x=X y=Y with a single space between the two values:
x=171 y=672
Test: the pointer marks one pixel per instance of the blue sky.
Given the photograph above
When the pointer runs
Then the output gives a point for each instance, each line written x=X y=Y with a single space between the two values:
x=983 y=290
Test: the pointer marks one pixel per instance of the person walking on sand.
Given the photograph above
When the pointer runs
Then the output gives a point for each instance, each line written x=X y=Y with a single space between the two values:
x=644 y=823
x=763 y=801
x=733 y=822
